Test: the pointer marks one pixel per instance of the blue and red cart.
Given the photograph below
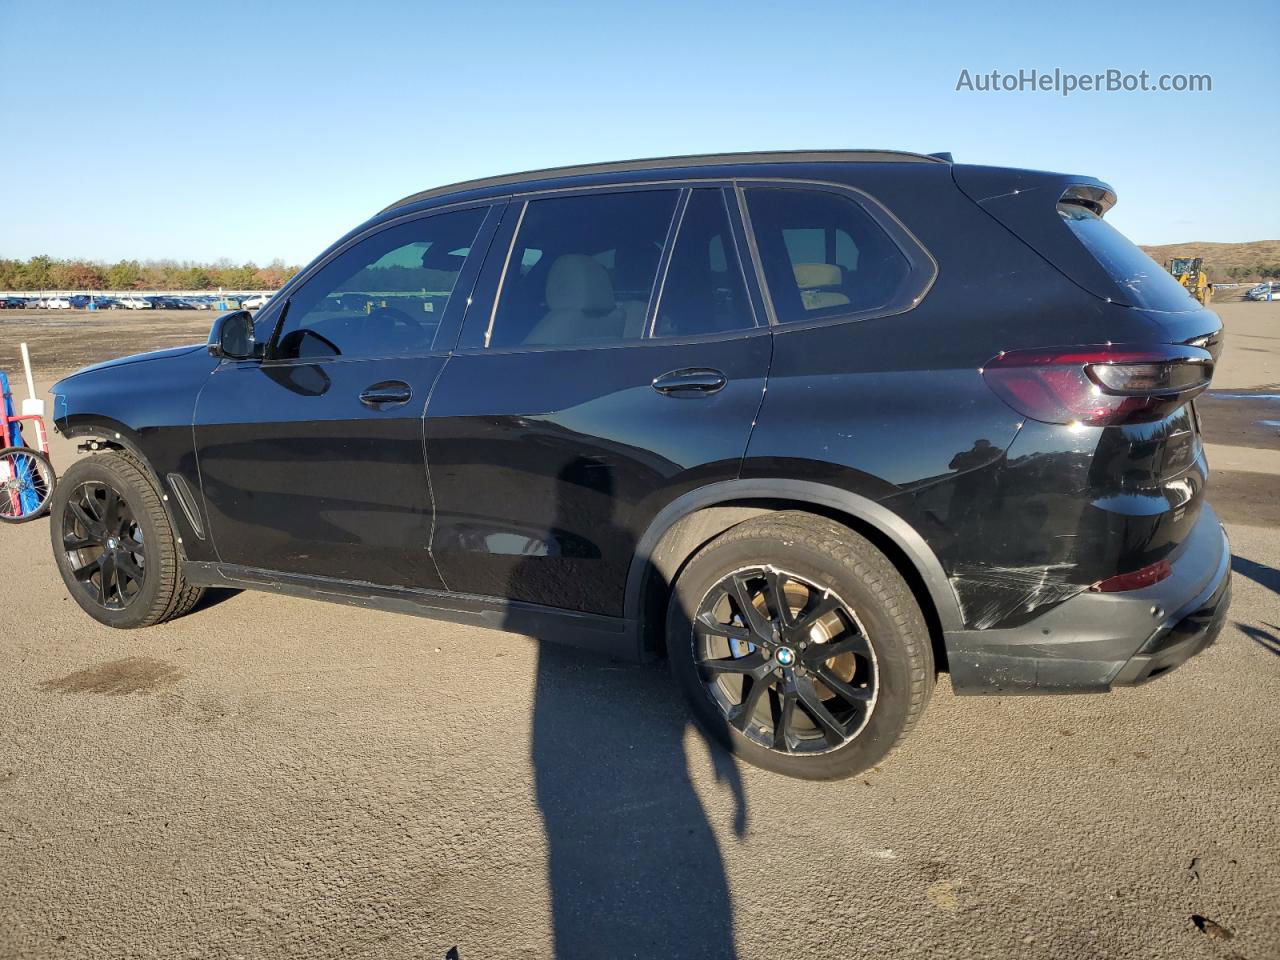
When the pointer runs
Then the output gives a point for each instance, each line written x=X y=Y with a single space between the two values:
x=26 y=475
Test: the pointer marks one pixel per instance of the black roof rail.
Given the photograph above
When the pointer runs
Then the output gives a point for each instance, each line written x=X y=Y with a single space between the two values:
x=660 y=163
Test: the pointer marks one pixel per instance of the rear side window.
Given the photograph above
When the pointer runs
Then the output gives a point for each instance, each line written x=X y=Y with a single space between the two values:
x=704 y=291
x=825 y=256
x=1144 y=282
x=581 y=270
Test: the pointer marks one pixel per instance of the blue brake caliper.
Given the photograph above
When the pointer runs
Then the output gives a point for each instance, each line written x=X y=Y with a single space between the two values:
x=740 y=648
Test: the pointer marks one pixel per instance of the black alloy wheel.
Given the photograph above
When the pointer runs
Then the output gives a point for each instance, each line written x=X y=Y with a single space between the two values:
x=103 y=544
x=799 y=646
x=115 y=545
x=787 y=661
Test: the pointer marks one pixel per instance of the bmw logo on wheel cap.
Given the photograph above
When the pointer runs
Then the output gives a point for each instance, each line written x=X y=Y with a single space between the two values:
x=786 y=656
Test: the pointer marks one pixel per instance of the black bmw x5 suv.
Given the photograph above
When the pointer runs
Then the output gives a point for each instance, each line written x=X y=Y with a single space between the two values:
x=814 y=425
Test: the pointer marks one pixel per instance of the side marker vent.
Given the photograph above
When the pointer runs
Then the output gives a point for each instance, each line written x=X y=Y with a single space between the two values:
x=182 y=493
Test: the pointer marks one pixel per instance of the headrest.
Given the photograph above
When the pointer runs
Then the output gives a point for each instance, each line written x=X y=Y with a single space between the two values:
x=578 y=282
x=818 y=275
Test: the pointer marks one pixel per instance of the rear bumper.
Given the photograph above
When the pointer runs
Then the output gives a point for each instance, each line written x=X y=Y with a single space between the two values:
x=1095 y=641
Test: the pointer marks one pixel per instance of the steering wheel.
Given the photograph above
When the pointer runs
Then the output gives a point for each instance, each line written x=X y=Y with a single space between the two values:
x=396 y=324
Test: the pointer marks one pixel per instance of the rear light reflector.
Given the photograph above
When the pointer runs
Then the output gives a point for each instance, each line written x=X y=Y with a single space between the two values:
x=1136 y=579
x=1099 y=386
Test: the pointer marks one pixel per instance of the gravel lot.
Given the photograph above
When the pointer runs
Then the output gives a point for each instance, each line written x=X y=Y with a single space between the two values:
x=271 y=777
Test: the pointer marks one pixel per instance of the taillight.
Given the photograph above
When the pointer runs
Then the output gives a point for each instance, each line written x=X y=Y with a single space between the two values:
x=1099 y=386
x=1135 y=579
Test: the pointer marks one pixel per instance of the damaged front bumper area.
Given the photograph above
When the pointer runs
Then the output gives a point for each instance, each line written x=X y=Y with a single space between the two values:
x=1095 y=641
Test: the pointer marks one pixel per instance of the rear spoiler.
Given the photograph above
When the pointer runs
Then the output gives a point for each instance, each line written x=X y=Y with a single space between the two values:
x=1099 y=198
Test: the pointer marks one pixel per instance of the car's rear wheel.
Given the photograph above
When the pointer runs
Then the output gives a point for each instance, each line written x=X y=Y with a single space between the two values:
x=114 y=545
x=799 y=646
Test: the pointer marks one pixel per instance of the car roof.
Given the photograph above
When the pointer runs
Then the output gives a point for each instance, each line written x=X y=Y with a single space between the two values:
x=669 y=163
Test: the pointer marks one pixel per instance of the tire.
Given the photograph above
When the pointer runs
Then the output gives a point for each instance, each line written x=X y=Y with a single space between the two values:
x=40 y=481
x=885 y=672
x=143 y=582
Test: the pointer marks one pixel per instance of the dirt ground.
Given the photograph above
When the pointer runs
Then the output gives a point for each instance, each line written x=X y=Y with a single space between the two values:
x=271 y=777
x=65 y=340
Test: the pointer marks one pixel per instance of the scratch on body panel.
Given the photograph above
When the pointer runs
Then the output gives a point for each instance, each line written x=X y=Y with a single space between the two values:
x=989 y=593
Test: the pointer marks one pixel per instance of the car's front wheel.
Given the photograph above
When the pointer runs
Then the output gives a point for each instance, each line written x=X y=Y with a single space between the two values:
x=114 y=545
x=799 y=646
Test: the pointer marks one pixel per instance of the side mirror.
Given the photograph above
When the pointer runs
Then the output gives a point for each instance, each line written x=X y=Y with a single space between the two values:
x=232 y=337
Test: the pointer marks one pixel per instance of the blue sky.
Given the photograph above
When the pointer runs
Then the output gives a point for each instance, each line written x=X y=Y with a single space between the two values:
x=262 y=130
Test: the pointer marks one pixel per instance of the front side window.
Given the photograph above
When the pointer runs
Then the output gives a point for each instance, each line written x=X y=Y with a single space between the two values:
x=704 y=291
x=385 y=295
x=581 y=270
x=824 y=255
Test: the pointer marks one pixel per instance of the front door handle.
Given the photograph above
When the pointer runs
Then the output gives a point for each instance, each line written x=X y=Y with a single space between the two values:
x=388 y=393
x=690 y=382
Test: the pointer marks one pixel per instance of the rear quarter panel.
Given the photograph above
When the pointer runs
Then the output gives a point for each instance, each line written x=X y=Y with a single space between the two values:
x=895 y=408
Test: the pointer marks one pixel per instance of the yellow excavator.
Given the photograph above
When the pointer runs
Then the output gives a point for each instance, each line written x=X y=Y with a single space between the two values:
x=1189 y=271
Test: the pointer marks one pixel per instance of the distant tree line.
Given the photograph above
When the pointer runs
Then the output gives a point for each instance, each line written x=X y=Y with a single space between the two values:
x=399 y=279
x=46 y=273
x=1261 y=271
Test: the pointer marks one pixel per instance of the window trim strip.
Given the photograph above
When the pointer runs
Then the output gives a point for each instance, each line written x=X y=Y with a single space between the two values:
x=502 y=277
x=753 y=250
x=664 y=265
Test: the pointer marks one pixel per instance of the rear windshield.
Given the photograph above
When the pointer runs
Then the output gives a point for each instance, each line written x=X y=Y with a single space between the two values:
x=1145 y=283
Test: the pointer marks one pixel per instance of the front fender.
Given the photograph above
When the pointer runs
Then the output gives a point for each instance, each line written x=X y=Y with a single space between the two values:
x=146 y=408
x=187 y=519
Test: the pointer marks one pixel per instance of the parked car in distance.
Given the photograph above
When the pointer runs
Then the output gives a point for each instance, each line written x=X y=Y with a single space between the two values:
x=13 y=303
x=811 y=425
x=81 y=301
x=1265 y=291
x=57 y=303
x=177 y=303
x=255 y=302
x=133 y=302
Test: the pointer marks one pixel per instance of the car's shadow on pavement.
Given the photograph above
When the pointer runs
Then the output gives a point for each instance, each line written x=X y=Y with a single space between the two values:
x=212 y=597
x=1259 y=573
x=1264 y=576
x=1267 y=640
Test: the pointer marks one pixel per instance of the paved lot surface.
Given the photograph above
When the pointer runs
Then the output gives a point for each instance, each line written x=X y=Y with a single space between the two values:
x=271 y=777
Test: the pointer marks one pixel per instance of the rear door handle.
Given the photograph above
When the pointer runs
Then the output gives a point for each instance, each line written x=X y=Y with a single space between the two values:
x=690 y=382
x=388 y=393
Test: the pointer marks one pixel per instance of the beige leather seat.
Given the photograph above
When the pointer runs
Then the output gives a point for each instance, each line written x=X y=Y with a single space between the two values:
x=812 y=277
x=581 y=305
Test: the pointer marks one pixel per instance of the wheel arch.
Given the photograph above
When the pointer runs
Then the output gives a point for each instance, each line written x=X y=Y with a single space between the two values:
x=112 y=432
x=112 y=435
x=696 y=518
